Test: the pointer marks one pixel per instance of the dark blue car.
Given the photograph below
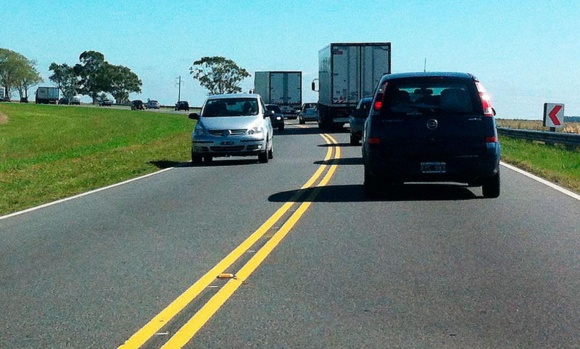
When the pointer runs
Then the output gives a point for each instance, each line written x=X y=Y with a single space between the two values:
x=431 y=127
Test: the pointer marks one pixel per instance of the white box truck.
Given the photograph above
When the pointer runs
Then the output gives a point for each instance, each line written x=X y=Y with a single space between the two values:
x=283 y=88
x=2 y=93
x=348 y=72
x=47 y=95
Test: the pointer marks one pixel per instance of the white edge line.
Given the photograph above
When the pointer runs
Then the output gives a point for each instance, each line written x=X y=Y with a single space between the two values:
x=83 y=194
x=543 y=181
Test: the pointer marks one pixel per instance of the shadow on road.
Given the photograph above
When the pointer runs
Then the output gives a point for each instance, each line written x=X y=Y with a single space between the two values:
x=163 y=164
x=341 y=161
x=355 y=193
x=308 y=130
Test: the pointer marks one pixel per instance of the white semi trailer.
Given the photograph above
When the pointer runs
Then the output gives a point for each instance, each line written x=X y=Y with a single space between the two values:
x=283 y=88
x=348 y=72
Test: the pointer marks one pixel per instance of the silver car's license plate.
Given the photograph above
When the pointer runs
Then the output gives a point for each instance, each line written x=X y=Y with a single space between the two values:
x=433 y=167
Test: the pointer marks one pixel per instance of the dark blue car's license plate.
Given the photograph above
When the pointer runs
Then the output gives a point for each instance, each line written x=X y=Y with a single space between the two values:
x=433 y=167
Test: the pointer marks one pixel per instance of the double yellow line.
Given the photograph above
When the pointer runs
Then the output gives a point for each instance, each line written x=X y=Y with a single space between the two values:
x=198 y=320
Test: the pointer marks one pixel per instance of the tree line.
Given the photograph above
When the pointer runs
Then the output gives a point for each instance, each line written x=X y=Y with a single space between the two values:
x=93 y=77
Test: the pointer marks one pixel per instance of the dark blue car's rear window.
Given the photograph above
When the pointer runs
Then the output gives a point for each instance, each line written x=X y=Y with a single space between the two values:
x=430 y=96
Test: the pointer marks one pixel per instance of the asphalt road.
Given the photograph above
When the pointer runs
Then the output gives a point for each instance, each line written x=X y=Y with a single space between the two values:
x=315 y=264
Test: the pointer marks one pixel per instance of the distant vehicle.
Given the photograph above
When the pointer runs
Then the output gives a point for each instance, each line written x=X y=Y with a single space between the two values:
x=309 y=112
x=431 y=127
x=74 y=100
x=357 y=119
x=278 y=118
x=283 y=88
x=182 y=105
x=152 y=104
x=106 y=102
x=47 y=95
x=3 y=94
x=232 y=125
x=137 y=105
x=348 y=72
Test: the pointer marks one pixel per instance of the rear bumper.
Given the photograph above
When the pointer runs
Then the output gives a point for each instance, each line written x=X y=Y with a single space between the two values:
x=462 y=168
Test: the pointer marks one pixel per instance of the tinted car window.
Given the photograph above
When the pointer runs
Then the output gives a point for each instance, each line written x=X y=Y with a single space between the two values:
x=362 y=109
x=309 y=106
x=274 y=108
x=230 y=107
x=425 y=96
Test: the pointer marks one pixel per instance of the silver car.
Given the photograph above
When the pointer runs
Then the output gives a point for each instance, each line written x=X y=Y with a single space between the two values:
x=309 y=112
x=232 y=125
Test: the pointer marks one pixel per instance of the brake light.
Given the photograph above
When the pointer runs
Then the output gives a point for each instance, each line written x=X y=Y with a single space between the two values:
x=378 y=105
x=492 y=139
x=374 y=140
x=485 y=100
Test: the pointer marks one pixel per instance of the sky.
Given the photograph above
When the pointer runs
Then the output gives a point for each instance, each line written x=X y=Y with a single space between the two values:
x=526 y=53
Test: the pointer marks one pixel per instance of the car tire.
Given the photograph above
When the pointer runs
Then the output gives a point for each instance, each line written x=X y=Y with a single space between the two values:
x=353 y=140
x=281 y=128
x=263 y=157
x=491 y=187
x=301 y=121
x=195 y=159
x=371 y=187
x=207 y=159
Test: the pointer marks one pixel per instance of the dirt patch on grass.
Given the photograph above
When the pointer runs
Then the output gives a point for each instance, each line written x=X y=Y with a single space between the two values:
x=3 y=119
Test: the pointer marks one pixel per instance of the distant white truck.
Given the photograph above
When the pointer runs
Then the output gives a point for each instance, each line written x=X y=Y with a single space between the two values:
x=348 y=72
x=283 y=88
x=47 y=95
x=2 y=93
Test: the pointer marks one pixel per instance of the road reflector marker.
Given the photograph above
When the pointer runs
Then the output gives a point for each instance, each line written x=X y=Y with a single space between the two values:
x=226 y=276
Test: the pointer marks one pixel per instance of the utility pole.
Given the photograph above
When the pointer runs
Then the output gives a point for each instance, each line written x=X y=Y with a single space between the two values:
x=179 y=91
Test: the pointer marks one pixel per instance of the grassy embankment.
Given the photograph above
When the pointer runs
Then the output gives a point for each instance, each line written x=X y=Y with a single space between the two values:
x=52 y=152
x=49 y=152
x=554 y=163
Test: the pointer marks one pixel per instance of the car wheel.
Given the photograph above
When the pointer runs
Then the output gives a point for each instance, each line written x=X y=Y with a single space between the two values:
x=195 y=159
x=371 y=187
x=207 y=159
x=263 y=157
x=353 y=140
x=271 y=152
x=281 y=128
x=301 y=121
x=491 y=187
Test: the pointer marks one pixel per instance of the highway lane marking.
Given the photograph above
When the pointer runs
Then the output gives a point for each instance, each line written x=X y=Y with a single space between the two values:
x=543 y=181
x=199 y=319
x=156 y=324
x=84 y=194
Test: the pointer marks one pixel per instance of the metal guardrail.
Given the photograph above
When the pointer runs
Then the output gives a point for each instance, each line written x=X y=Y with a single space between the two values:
x=570 y=140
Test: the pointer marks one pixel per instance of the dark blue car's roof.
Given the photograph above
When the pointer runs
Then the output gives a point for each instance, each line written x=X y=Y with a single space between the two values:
x=429 y=74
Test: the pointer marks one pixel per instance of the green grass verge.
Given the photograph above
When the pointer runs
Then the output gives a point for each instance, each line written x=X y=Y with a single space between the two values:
x=554 y=163
x=50 y=152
